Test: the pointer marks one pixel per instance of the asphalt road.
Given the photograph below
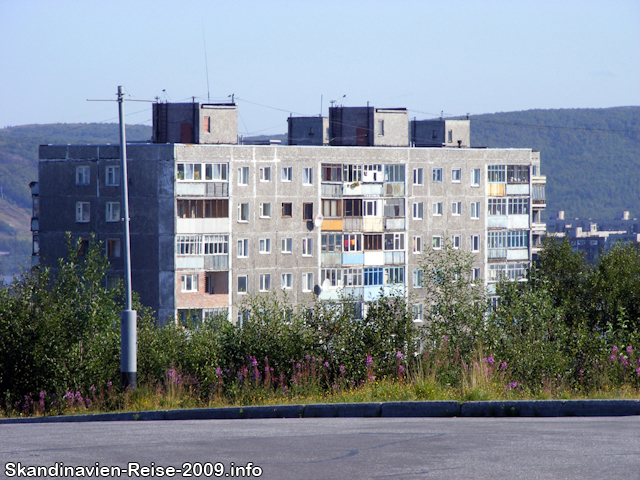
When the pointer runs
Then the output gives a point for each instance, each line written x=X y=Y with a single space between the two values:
x=341 y=448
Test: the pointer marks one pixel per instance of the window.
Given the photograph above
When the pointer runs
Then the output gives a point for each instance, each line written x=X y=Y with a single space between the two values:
x=417 y=244
x=331 y=172
x=331 y=242
x=189 y=283
x=112 y=176
x=307 y=212
x=307 y=176
x=216 y=171
x=417 y=211
x=352 y=242
x=353 y=207
x=418 y=176
x=189 y=244
x=370 y=208
x=286 y=280
x=497 y=173
x=202 y=208
x=287 y=174
x=82 y=247
x=243 y=175
x=393 y=275
x=393 y=241
x=518 y=173
x=82 y=212
x=243 y=283
x=456 y=208
x=307 y=282
x=373 y=276
x=450 y=136
x=517 y=238
x=82 y=175
x=497 y=206
x=475 y=274
x=265 y=282
x=207 y=124
x=287 y=209
x=394 y=173
x=475 y=243
x=243 y=248
x=437 y=208
x=243 y=212
x=372 y=173
x=216 y=244
x=394 y=208
x=265 y=245
x=518 y=206
x=456 y=175
x=330 y=277
x=475 y=210
x=417 y=278
x=434 y=134
x=373 y=242
x=265 y=174
x=352 y=173
x=516 y=271
x=113 y=281
x=497 y=240
x=331 y=208
x=436 y=242
x=417 y=312
x=380 y=129
x=113 y=248
x=265 y=210
x=113 y=211
x=456 y=241
x=437 y=175
x=475 y=177
x=307 y=247
x=287 y=245
x=352 y=277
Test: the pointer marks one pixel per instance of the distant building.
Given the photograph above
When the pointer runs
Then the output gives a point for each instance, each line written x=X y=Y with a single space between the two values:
x=213 y=221
x=593 y=237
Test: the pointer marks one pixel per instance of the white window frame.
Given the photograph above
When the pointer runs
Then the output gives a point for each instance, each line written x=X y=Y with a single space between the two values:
x=475 y=243
x=112 y=212
x=265 y=246
x=265 y=209
x=418 y=176
x=245 y=279
x=83 y=212
x=456 y=241
x=307 y=282
x=436 y=242
x=475 y=274
x=286 y=245
x=475 y=177
x=286 y=281
x=475 y=210
x=437 y=209
x=83 y=175
x=307 y=247
x=417 y=244
x=188 y=244
x=456 y=175
x=437 y=175
x=189 y=283
x=456 y=209
x=242 y=218
x=112 y=176
x=265 y=174
x=287 y=174
x=242 y=250
x=394 y=275
x=307 y=176
x=370 y=205
x=243 y=176
x=265 y=282
x=418 y=313
x=216 y=244
x=418 y=275
x=418 y=210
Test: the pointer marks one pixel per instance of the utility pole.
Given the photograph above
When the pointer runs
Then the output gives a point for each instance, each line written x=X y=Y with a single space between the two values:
x=128 y=320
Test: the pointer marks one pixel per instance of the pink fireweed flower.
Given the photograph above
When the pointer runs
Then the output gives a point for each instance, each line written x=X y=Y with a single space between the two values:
x=326 y=364
x=369 y=360
x=614 y=349
x=503 y=366
x=613 y=357
x=638 y=371
x=342 y=368
x=624 y=362
x=511 y=385
x=629 y=350
x=218 y=372
x=399 y=355
x=491 y=360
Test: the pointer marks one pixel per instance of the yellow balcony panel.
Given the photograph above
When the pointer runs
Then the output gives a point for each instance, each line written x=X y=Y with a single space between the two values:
x=331 y=224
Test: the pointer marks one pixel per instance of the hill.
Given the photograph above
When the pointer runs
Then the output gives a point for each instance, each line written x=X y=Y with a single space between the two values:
x=591 y=158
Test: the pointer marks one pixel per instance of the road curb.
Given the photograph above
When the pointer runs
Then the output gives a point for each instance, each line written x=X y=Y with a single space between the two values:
x=428 y=409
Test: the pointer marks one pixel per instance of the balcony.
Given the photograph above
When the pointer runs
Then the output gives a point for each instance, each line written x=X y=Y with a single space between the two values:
x=494 y=253
x=394 y=258
x=394 y=189
x=330 y=259
x=209 y=189
x=352 y=224
x=216 y=262
x=394 y=223
x=331 y=190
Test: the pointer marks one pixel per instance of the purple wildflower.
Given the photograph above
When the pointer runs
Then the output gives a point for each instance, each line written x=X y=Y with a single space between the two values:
x=369 y=360
x=307 y=357
x=614 y=349
x=624 y=362
x=92 y=388
x=218 y=372
x=638 y=371
x=491 y=360
x=512 y=385
x=342 y=368
x=400 y=369
x=109 y=383
x=399 y=355
x=326 y=364
x=629 y=350
x=613 y=357
x=503 y=366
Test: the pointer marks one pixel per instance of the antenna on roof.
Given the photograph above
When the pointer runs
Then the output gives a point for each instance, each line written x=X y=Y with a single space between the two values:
x=206 y=63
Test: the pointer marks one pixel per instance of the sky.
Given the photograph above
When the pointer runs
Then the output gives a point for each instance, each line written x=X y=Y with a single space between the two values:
x=294 y=57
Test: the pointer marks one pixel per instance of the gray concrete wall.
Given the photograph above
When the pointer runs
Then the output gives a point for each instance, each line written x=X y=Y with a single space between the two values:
x=435 y=133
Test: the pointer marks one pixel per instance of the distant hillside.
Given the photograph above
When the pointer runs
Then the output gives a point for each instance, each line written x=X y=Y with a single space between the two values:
x=591 y=157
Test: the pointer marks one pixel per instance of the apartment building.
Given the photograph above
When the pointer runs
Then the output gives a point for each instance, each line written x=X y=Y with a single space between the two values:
x=213 y=222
